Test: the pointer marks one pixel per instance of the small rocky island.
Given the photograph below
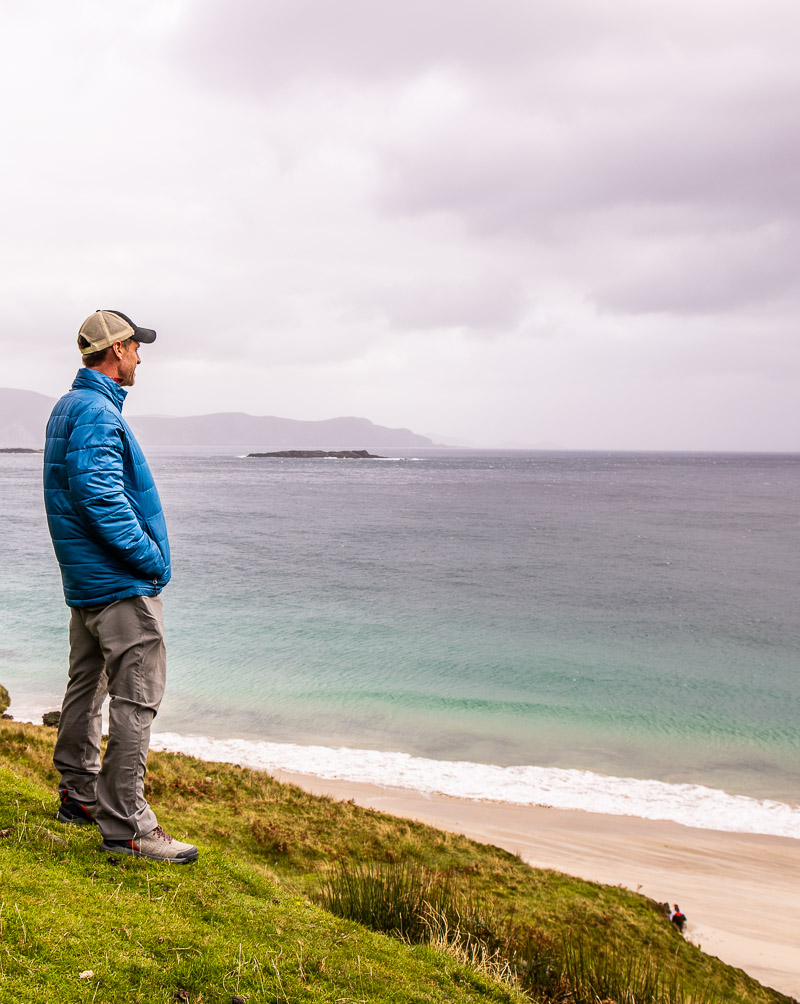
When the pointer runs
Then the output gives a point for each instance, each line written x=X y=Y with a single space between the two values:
x=18 y=449
x=320 y=455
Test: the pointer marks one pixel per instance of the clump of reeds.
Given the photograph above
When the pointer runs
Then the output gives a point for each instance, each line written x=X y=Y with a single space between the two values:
x=427 y=907
x=622 y=977
x=419 y=906
x=402 y=900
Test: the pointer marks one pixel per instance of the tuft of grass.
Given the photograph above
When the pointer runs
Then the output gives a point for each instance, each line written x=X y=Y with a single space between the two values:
x=401 y=900
x=587 y=975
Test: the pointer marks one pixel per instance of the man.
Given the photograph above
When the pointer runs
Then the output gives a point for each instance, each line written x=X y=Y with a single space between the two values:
x=110 y=538
x=677 y=917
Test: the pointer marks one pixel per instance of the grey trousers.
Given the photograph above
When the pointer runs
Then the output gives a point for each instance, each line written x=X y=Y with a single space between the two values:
x=116 y=650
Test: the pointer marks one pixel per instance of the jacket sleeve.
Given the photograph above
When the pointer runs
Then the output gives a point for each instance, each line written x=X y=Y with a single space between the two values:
x=95 y=474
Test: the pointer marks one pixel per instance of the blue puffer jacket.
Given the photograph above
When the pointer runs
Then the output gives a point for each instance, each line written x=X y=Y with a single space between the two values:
x=103 y=508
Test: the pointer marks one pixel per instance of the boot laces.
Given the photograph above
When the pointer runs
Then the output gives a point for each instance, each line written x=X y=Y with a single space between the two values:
x=158 y=832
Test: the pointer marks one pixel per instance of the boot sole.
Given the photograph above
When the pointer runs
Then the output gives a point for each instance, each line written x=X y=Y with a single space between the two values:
x=188 y=858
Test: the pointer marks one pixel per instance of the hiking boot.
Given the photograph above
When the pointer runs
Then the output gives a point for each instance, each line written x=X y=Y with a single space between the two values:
x=157 y=845
x=75 y=812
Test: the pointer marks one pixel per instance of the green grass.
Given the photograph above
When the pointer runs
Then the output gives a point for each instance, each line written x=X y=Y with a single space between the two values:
x=250 y=918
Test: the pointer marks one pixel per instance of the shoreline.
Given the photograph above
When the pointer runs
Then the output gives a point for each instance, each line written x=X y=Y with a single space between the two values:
x=690 y=804
x=738 y=890
x=694 y=805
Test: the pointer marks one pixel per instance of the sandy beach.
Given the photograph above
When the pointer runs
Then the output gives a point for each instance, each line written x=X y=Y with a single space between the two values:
x=739 y=891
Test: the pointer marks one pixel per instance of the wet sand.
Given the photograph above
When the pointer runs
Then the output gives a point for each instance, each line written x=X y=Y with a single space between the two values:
x=739 y=891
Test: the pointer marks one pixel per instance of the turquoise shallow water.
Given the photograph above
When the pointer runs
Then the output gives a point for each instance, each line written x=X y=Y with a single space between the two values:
x=629 y=615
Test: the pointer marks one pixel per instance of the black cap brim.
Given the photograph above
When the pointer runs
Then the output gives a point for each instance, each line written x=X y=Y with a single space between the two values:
x=142 y=335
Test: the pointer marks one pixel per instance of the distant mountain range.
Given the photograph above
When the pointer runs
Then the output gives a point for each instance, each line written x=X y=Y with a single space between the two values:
x=24 y=414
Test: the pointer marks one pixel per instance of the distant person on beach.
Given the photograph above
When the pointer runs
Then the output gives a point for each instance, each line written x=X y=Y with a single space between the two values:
x=110 y=538
x=677 y=918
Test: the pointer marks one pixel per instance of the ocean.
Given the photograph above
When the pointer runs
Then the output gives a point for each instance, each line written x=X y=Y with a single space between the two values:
x=610 y=632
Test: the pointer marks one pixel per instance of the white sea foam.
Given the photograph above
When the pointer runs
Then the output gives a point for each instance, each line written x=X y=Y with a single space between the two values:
x=30 y=711
x=689 y=804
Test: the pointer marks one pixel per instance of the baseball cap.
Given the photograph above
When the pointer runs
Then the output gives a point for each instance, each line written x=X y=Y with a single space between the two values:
x=104 y=327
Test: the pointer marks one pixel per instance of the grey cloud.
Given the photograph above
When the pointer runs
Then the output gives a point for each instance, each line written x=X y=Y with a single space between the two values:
x=518 y=174
x=657 y=121
x=708 y=275
x=254 y=45
x=634 y=177
x=485 y=304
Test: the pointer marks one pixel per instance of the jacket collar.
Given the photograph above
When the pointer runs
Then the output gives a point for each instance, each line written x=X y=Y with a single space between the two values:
x=88 y=379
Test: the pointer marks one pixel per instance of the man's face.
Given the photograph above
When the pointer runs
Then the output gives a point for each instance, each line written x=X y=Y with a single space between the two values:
x=127 y=363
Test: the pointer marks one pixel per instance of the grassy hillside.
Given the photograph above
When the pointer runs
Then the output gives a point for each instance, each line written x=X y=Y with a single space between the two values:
x=248 y=919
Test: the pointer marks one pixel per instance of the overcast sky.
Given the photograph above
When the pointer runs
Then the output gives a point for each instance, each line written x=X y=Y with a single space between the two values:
x=512 y=222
